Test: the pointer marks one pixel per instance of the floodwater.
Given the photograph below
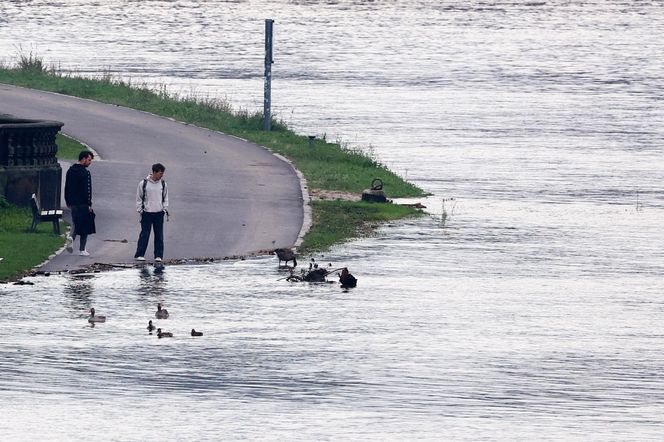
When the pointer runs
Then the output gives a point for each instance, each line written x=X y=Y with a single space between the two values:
x=531 y=310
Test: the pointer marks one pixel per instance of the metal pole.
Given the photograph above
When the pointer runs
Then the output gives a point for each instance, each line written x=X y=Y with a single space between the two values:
x=267 y=99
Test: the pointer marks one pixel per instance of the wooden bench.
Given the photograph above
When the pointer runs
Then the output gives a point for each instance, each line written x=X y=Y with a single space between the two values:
x=39 y=216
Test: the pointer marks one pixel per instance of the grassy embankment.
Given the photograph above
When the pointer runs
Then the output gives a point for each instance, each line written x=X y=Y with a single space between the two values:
x=329 y=166
x=21 y=249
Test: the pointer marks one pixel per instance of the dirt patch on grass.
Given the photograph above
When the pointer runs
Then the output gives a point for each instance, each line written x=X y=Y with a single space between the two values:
x=320 y=194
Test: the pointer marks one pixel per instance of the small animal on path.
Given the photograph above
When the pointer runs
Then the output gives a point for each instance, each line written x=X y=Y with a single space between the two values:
x=150 y=326
x=286 y=255
x=161 y=313
x=161 y=334
x=93 y=318
x=196 y=333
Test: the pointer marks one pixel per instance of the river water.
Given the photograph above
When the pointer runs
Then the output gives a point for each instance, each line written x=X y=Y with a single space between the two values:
x=532 y=310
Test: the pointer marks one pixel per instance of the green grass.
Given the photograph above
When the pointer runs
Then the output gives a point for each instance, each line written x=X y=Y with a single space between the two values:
x=338 y=221
x=21 y=249
x=68 y=148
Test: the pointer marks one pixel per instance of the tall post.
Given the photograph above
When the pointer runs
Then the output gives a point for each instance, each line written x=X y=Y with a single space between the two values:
x=267 y=96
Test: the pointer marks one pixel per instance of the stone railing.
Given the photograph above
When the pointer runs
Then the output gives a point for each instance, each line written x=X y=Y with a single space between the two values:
x=28 y=162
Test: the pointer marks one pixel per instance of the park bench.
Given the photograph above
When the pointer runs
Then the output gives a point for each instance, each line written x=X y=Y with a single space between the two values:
x=39 y=216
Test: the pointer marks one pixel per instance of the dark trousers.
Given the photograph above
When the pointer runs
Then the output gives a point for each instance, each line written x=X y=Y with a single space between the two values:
x=83 y=224
x=83 y=241
x=151 y=221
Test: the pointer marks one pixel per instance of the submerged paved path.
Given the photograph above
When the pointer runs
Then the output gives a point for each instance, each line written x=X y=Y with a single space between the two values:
x=227 y=196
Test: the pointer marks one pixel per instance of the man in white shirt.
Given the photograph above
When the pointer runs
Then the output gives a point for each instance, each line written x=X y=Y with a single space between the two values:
x=152 y=204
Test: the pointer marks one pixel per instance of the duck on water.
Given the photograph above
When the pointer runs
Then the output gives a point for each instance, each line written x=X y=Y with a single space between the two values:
x=161 y=334
x=95 y=318
x=161 y=313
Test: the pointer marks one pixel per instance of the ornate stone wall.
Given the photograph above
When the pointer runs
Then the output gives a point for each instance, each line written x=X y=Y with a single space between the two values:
x=28 y=162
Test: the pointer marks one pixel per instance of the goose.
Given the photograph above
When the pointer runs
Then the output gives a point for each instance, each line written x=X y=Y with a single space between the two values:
x=161 y=313
x=195 y=333
x=161 y=334
x=286 y=255
x=94 y=318
x=150 y=326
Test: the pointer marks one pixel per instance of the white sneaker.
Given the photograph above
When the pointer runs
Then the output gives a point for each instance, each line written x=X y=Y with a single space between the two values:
x=69 y=244
x=158 y=259
x=84 y=253
x=140 y=258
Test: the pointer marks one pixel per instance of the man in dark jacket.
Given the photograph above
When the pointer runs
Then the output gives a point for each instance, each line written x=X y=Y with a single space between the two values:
x=78 y=197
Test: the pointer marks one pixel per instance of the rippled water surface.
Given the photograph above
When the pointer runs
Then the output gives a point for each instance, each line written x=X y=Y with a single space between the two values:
x=532 y=311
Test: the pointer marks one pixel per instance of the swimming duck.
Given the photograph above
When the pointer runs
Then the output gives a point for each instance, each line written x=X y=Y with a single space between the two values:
x=150 y=326
x=161 y=334
x=195 y=333
x=161 y=313
x=94 y=318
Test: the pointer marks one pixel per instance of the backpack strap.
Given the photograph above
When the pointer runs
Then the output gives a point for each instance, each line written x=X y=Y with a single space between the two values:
x=145 y=185
x=163 y=192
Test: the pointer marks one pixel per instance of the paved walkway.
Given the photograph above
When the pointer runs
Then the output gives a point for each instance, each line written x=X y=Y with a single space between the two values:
x=227 y=196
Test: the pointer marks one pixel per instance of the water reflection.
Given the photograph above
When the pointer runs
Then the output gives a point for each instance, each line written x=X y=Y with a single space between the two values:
x=153 y=283
x=78 y=291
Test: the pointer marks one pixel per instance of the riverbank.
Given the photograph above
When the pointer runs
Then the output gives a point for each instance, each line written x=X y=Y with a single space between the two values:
x=22 y=250
x=328 y=166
